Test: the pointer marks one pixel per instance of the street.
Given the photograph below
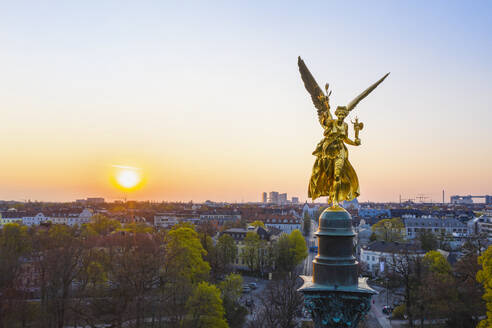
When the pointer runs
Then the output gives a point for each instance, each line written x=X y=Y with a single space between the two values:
x=376 y=312
x=311 y=240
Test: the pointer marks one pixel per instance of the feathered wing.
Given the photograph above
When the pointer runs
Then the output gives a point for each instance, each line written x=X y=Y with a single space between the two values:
x=320 y=100
x=364 y=94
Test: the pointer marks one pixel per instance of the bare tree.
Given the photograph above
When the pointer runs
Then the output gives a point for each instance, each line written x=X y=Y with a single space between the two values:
x=280 y=304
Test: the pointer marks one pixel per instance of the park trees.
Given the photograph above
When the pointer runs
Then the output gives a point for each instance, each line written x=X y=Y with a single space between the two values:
x=204 y=307
x=226 y=252
x=231 y=288
x=221 y=255
x=252 y=245
x=436 y=292
x=404 y=270
x=291 y=250
x=134 y=267
x=427 y=240
x=433 y=289
x=102 y=225
x=257 y=224
x=100 y=274
x=58 y=257
x=280 y=303
x=14 y=245
x=484 y=276
x=187 y=268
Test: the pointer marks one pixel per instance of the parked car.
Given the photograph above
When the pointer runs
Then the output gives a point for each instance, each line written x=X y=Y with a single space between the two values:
x=246 y=289
x=253 y=285
x=387 y=309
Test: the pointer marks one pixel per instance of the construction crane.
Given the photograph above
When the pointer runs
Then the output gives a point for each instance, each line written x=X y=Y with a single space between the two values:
x=422 y=197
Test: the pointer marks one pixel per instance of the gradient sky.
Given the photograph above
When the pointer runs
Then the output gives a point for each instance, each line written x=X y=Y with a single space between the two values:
x=205 y=97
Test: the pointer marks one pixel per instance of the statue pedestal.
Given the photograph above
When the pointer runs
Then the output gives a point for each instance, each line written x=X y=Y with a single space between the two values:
x=334 y=295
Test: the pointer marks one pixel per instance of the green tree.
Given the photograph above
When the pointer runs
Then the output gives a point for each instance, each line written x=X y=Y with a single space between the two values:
x=58 y=256
x=187 y=251
x=298 y=245
x=14 y=244
x=102 y=225
x=252 y=244
x=469 y=306
x=205 y=309
x=389 y=230
x=428 y=241
x=258 y=223
x=185 y=269
x=284 y=259
x=484 y=276
x=226 y=252
x=437 y=292
x=231 y=288
x=137 y=227
x=437 y=263
x=291 y=250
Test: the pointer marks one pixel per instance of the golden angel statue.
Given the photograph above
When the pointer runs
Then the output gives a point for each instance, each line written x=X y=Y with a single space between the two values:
x=333 y=175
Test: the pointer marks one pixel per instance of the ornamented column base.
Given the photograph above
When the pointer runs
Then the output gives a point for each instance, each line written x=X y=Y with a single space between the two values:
x=336 y=307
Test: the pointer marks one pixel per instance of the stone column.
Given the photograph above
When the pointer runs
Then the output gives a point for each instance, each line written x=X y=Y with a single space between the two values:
x=335 y=295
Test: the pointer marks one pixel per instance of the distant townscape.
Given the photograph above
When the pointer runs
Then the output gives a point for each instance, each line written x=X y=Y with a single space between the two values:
x=238 y=250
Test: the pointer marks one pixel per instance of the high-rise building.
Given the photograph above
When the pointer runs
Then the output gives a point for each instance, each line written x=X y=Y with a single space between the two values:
x=295 y=200
x=264 y=198
x=282 y=198
x=273 y=197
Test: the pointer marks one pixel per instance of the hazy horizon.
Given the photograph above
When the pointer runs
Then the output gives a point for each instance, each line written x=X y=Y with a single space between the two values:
x=207 y=101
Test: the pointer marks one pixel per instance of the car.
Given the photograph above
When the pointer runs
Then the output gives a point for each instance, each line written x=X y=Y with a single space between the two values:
x=246 y=289
x=387 y=309
x=252 y=285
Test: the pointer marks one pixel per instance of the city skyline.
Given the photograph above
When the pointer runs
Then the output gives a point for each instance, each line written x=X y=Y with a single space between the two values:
x=206 y=100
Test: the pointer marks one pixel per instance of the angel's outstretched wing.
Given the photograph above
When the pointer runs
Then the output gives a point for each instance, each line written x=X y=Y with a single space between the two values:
x=364 y=94
x=320 y=100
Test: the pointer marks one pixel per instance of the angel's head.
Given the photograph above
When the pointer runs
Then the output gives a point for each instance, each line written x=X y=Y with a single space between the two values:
x=341 y=112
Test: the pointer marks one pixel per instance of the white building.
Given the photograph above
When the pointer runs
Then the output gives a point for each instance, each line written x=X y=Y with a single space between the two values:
x=378 y=256
x=70 y=219
x=449 y=227
x=4 y=220
x=482 y=224
x=165 y=221
x=311 y=210
x=285 y=223
x=35 y=220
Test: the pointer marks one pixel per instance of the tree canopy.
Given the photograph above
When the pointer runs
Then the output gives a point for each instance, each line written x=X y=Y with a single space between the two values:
x=205 y=309
x=389 y=230
x=484 y=276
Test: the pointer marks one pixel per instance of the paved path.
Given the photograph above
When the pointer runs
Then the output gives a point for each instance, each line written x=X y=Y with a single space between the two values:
x=379 y=301
x=311 y=240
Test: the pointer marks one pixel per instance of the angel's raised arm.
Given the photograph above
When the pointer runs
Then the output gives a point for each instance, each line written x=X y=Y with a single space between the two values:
x=320 y=100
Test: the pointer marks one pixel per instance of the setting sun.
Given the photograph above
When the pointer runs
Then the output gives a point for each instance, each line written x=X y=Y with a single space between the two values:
x=127 y=177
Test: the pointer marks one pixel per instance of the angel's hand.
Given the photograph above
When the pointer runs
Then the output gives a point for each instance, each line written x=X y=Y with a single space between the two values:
x=357 y=141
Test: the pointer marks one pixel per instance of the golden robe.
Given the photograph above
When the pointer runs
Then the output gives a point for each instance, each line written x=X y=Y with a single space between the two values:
x=331 y=156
